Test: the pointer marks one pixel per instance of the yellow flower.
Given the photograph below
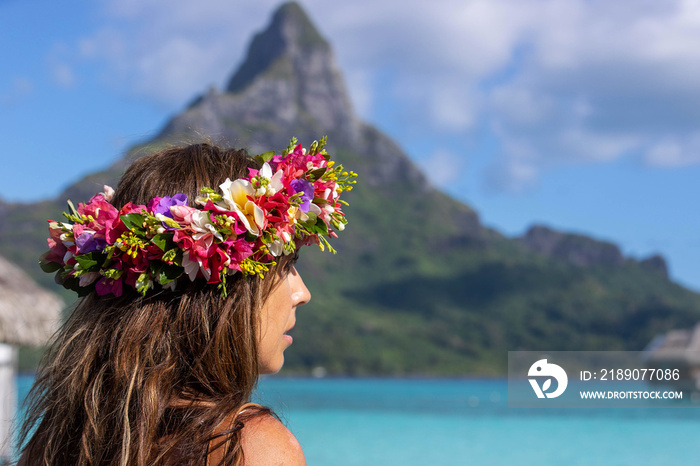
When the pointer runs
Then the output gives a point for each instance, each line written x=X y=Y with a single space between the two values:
x=235 y=197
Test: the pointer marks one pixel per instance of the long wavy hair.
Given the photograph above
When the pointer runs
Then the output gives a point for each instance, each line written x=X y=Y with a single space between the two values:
x=151 y=380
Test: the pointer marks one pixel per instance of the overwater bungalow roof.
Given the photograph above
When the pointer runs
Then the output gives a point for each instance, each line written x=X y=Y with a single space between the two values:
x=29 y=314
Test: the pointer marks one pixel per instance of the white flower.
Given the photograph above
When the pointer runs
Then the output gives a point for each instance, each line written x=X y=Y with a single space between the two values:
x=276 y=247
x=275 y=182
x=314 y=209
x=108 y=193
x=192 y=267
x=235 y=194
x=201 y=223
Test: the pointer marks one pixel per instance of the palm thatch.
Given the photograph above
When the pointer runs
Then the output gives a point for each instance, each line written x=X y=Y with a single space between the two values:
x=678 y=349
x=29 y=315
x=677 y=345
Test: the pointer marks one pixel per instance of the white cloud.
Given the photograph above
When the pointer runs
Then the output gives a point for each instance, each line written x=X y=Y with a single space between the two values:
x=514 y=177
x=169 y=51
x=63 y=74
x=563 y=80
x=674 y=152
x=59 y=62
x=600 y=81
x=443 y=167
x=19 y=88
x=452 y=106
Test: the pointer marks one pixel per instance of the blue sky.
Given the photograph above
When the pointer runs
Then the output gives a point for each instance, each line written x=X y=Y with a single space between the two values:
x=578 y=114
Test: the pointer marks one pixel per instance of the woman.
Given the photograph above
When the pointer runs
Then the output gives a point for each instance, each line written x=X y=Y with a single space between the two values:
x=188 y=294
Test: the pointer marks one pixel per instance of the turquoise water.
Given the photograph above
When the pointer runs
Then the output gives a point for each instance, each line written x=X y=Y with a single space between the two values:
x=343 y=422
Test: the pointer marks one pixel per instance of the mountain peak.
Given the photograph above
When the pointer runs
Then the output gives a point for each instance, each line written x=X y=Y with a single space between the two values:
x=290 y=34
x=287 y=84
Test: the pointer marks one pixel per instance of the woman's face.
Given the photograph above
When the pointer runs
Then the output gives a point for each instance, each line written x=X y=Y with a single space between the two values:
x=278 y=317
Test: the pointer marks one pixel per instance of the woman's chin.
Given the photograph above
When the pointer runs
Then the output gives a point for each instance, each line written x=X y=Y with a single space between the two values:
x=272 y=367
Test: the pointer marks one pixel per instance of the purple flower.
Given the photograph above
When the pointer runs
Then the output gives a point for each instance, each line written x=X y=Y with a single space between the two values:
x=161 y=205
x=87 y=242
x=303 y=186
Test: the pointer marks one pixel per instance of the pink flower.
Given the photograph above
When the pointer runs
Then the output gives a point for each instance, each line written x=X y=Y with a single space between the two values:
x=131 y=208
x=240 y=250
x=103 y=213
x=109 y=192
x=203 y=248
x=117 y=227
x=219 y=261
x=57 y=248
x=182 y=214
x=184 y=239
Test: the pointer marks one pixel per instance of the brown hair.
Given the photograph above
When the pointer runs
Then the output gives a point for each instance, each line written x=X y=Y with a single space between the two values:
x=142 y=380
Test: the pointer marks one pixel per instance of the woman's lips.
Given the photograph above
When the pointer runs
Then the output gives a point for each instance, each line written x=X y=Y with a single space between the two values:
x=288 y=338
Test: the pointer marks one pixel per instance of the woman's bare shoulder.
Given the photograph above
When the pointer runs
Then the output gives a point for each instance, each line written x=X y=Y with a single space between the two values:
x=266 y=441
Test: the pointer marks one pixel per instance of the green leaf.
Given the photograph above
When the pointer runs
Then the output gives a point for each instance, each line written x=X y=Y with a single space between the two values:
x=164 y=241
x=133 y=221
x=88 y=261
x=83 y=291
x=169 y=273
x=316 y=174
x=265 y=157
x=71 y=283
x=312 y=217
x=318 y=228
x=47 y=266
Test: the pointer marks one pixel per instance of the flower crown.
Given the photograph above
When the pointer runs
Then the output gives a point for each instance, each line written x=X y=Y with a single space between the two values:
x=292 y=200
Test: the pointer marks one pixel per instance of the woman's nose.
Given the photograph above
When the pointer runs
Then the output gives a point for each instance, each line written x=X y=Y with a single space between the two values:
x=300 y=293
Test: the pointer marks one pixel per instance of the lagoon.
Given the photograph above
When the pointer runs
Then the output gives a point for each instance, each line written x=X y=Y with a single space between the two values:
x=349 y=422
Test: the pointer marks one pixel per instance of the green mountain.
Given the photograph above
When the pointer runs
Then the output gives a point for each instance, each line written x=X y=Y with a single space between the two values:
x=419 y=285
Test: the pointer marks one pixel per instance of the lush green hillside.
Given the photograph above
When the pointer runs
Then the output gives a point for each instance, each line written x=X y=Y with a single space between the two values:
x=419 y=286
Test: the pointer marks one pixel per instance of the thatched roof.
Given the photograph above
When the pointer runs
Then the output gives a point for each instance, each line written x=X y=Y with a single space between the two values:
x=29 y=314
x=677 y=346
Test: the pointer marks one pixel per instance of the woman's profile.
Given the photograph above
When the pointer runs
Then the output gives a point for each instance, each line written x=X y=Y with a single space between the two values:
x=189 y=290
